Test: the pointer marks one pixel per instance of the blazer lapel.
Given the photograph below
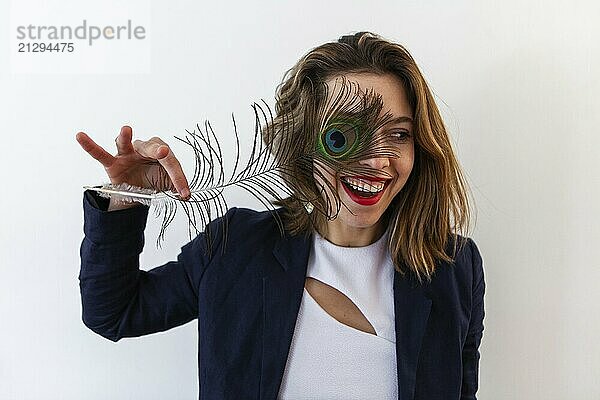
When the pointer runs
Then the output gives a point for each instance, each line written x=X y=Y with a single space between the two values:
x=411 y=308
x=283 y=286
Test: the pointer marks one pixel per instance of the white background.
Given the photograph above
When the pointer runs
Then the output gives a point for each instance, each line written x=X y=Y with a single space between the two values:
x=516 y=81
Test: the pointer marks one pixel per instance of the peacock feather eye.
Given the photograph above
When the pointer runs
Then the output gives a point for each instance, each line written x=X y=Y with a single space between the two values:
x=339 y=139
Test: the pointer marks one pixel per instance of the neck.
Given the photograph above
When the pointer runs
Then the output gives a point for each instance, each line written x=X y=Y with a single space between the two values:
x=345 y=236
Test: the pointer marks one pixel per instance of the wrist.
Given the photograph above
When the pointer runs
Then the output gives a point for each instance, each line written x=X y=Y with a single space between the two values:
x=115 y=205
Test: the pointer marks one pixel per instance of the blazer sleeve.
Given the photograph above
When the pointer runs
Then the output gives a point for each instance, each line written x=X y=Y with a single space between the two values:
x=118 y=298
x=470 y=353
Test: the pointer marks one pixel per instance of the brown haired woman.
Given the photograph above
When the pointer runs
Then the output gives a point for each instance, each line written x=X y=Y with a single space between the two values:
x=377 y=297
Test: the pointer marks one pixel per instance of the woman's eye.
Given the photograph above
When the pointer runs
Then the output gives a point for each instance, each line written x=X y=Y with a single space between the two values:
x=399 y=136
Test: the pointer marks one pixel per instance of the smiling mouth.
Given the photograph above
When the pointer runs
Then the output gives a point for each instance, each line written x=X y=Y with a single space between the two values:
x=364 y=188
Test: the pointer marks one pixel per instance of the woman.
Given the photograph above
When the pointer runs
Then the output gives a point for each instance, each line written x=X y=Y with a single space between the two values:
x=376 y=297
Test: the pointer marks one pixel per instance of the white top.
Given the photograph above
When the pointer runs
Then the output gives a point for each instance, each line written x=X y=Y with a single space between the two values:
x=330 y=360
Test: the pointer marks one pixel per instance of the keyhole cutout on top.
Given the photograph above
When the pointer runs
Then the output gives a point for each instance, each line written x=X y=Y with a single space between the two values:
x=338 y=305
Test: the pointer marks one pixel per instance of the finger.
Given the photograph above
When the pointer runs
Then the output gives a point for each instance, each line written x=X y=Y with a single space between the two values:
x=97 y=152
x=158 y=150
x=123 y=141
x=151 y=148
x=171 y=164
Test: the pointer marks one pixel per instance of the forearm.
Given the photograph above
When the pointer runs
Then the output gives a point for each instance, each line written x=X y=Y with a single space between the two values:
x=109 y=264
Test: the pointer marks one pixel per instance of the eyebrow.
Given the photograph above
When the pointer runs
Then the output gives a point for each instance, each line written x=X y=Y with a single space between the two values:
x=398 y=120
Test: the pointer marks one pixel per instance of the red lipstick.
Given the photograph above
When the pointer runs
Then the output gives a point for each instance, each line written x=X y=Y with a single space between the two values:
x=365 y=201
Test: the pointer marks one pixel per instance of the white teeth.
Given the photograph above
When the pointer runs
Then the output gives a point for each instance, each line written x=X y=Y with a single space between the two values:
x=364 y=186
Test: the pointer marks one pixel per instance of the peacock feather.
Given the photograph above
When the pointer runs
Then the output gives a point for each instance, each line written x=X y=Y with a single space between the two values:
x=340 y=126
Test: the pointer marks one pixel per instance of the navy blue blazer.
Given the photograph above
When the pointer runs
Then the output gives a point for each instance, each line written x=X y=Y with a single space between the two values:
x=247 y=299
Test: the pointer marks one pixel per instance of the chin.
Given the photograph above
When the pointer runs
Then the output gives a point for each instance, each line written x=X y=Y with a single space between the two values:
x=360 y=220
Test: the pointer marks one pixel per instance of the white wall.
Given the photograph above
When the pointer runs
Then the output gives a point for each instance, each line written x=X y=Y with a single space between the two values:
x=516 y=81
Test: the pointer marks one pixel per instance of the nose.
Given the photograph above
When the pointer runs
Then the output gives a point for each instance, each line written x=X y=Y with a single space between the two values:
x=377 y=163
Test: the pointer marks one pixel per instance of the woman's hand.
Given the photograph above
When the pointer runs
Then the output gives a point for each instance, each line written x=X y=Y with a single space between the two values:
x=148 y=164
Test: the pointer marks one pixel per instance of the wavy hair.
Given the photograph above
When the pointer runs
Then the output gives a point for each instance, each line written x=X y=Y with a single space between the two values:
x=429 y=218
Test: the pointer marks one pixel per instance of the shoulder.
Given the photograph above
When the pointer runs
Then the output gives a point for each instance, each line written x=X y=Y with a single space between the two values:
x=233 y=238
x=245 y=222
x=466 y=272
x=467 y=252
x=469 y=258
x=239 y=228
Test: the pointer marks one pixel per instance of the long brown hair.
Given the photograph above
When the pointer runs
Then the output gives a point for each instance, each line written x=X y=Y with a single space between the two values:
x=432 y=209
